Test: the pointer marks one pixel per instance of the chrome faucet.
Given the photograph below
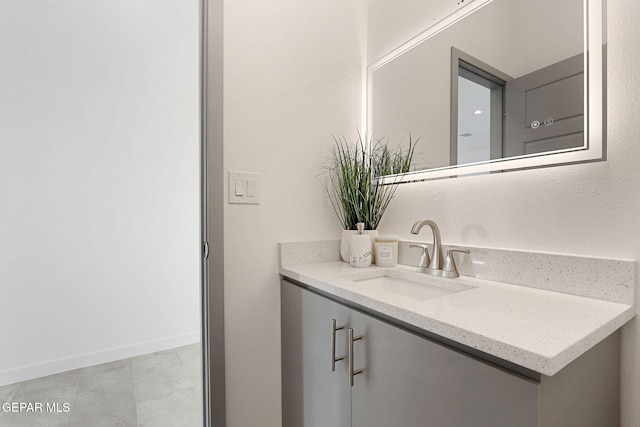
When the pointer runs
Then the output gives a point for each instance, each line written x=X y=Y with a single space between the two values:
x=436 y=263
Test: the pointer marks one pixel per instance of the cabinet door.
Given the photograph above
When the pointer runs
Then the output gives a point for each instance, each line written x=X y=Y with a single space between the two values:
x=312 y=394
x=409 y=381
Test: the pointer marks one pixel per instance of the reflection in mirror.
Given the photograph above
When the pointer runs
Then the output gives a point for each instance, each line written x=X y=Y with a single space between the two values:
x=496 y=80
x=477 y=110
x=495 y=116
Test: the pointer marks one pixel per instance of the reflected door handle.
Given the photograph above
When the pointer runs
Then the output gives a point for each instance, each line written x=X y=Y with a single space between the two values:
x=352 y=373
x=334 y=359
x=547 y=122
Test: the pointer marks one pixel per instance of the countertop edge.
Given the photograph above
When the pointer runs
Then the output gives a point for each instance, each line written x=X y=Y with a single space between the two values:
x=538 y=362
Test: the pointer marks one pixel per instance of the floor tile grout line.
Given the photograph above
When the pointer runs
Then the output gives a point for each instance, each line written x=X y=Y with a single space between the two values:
x=184 y=366
x=195 y=381
x=16 y=390
x=73 y=399
x=12 y=394
x=135 y=390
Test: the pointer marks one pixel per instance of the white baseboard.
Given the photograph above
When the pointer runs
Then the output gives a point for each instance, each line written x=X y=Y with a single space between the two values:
x=24 y=373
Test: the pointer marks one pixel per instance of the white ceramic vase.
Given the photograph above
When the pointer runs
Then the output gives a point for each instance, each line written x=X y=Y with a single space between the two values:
x=345 y=243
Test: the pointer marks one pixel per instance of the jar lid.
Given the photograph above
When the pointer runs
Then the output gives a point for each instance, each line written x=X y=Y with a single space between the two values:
x=387 y=239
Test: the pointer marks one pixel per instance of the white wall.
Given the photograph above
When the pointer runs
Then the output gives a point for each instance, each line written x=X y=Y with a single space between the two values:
x=99 y=193
x=588 y=209
x=292 y=76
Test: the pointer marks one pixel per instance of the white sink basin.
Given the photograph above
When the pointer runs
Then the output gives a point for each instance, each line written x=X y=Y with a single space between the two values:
x=417 y=286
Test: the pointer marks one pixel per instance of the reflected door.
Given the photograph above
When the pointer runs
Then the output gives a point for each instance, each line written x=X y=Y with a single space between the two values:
x=546 y=109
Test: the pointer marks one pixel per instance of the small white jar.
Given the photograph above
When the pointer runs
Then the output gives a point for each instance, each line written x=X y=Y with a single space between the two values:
x=360 y=248
x=386 y=250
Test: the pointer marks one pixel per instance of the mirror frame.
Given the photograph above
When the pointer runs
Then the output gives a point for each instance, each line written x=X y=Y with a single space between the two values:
x=594 y=99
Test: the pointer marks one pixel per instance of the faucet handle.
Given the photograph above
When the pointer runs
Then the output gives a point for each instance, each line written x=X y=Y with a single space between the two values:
x=450 y=270
x=424 y=259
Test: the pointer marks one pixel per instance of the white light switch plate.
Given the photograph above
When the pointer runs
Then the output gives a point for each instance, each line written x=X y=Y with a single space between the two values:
x=244 y=187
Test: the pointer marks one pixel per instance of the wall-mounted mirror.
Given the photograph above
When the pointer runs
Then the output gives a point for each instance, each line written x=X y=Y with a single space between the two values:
x=496 y=85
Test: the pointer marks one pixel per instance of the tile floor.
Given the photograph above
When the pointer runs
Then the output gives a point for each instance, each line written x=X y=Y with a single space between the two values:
x=154 y=390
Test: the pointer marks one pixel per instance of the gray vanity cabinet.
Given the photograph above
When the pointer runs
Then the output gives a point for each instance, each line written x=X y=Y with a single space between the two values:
x=406 y=380
x=410 y=381
x=312 y=394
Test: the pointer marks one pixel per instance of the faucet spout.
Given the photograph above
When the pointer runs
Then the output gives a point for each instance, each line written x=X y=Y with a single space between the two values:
x=437 y=260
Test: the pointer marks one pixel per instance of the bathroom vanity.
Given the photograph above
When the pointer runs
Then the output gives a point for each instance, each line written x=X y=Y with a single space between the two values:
x=519 y=339
x=377 y=347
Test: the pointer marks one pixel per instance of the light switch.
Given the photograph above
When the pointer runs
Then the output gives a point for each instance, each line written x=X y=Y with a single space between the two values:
x=239 y=187
x=244 y=187
x=251 y=187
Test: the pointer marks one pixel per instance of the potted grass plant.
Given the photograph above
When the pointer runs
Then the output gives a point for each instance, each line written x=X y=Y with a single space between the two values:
x=353 y=185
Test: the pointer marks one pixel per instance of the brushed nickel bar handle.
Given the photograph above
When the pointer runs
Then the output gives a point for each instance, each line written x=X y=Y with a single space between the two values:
x=334 y=359
x=352 y=373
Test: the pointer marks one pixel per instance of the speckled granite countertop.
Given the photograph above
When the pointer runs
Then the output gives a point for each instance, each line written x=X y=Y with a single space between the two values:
x=538 y=329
